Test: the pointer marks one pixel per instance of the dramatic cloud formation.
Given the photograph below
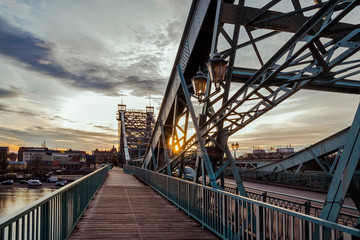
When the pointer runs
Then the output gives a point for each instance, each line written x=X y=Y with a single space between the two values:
x=65 y=65
x=38 y=55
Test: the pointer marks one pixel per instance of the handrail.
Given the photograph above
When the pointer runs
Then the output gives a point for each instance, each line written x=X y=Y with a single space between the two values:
x=55 y=215
x=298 y=197
x=233 y=216
x=296 y=205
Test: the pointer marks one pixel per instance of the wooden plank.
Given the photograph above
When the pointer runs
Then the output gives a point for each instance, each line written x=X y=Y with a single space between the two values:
x=126 y=208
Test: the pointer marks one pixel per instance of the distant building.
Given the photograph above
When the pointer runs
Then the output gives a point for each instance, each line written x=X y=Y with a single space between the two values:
x=106 y=156
x=4 y=152
x=25 y=153
x=74 y=155
x=12 y=157
x=60 y=157
x=279 y=153
x=16 y=166
x=287 y=150
x=42 y=160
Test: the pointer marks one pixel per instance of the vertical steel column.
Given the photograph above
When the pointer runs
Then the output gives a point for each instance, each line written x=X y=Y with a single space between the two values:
x=123 y=132
x=166 y=155
x=153 y=158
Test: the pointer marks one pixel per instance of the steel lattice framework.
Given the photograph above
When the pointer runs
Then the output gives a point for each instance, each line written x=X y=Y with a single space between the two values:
x=318 y=49
x=135 y=127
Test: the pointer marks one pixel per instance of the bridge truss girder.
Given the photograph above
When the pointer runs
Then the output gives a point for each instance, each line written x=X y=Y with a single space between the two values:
x=319 y=55
x=135 y=129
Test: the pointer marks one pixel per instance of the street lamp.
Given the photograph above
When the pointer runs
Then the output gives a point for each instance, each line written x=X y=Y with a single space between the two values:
x=217 y=69
x=235 y=147
x=199 y=84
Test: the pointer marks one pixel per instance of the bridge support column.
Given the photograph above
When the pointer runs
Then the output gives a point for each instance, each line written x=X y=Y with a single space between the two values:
x=343 y=174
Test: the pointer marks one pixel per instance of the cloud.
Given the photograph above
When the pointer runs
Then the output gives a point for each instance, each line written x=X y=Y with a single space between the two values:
x=105 y=128
x=79 y=68
x=9 y=93
x=61 y=118
x=5 y=108
x=58 y=137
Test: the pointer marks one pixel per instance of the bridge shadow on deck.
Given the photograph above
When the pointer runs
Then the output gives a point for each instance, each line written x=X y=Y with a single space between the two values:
x=126 y=208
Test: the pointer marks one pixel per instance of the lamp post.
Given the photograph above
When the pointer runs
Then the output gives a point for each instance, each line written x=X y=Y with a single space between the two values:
x=235 y=147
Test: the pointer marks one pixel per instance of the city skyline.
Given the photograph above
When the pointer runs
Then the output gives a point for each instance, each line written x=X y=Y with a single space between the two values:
x=66 y=65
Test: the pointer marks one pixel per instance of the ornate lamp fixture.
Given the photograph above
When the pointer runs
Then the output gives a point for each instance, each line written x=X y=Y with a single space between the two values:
x=234 y=147
x=199 y=84
x=217 y=69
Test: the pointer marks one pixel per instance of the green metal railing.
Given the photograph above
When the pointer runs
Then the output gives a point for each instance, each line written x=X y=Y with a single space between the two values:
x=232 y=216
x=348 y=217
x=54 y=216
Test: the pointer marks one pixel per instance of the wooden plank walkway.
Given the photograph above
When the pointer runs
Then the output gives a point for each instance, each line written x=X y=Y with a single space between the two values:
x=126 y=208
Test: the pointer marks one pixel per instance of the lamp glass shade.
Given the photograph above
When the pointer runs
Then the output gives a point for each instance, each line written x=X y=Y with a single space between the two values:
x=237 y=145
x=199 y=84
x=217 y=69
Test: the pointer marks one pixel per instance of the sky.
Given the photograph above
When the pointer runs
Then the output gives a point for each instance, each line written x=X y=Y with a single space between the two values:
x=65 y=65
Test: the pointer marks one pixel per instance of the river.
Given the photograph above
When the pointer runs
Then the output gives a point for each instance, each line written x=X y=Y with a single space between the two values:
x=15 y=198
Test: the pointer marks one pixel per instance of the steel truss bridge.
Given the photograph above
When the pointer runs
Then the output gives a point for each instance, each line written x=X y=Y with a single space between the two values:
x=274 y=49
x=134 y=131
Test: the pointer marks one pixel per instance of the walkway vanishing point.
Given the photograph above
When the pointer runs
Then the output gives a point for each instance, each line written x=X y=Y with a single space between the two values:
x=126 y=208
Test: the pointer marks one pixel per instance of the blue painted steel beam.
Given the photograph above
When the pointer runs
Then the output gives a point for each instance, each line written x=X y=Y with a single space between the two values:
x=344 y=172
x=241 y=75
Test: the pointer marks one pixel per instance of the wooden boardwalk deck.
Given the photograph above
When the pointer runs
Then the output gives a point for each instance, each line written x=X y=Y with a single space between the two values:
x=126 y=208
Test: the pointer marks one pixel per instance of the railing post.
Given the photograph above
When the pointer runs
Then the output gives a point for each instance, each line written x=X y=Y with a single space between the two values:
x=188 y=198
x=64 y=215
x=223 y=214
x=307 y=211
x=75 y=207
x=264 y=195
x=23 y=227
x=44 y=221
x=167 y=187
x=203 y=207
x=17 y=230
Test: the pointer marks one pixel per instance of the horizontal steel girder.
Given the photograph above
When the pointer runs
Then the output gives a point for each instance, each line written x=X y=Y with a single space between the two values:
x=241 y=75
